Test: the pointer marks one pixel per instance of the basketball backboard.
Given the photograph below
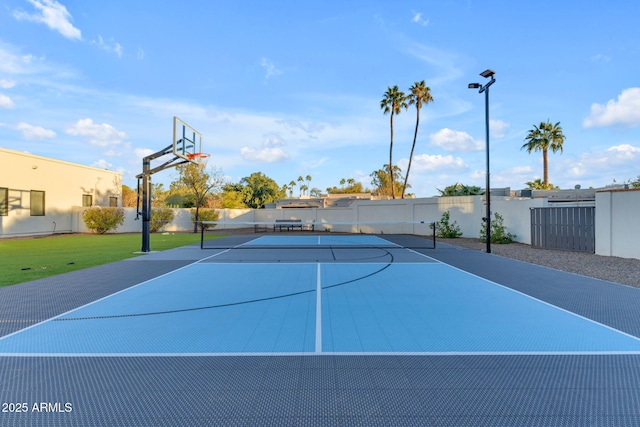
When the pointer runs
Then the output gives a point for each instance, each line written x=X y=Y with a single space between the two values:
x=186 y=140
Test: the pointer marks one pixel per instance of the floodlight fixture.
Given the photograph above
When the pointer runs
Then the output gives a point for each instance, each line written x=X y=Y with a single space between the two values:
x=487 y=73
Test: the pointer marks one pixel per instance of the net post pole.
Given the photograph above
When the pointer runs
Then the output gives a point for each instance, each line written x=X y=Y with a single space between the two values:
x=433 y=227
x=201 y=235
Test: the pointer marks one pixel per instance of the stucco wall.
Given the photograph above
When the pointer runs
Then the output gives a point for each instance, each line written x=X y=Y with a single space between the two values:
x=617 y=223
x=64 y=185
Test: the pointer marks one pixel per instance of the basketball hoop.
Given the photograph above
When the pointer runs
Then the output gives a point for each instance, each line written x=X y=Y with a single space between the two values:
x=197 y=156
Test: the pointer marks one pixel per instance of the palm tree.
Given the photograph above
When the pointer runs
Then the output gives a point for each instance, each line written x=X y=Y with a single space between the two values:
x=393 y=102
x=420 y=94
x=542 y=138
x=291 y=185
x=539 y=185
x=308 y=179
x=300 y=179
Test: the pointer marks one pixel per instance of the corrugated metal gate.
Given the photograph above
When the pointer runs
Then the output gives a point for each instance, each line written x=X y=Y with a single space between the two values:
x=566 y=229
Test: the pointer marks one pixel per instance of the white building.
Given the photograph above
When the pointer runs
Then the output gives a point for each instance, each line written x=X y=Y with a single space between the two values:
x=38 y=194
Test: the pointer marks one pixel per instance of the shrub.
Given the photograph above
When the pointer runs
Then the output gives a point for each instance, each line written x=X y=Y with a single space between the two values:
x=205 y=215
x=102 y=220
x=445 y=229
x=499 y=232
x=159 y=218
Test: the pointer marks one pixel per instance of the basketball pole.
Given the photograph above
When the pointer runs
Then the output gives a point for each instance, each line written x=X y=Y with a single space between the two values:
x=184 y=150
x=147 y=171
x=146 y=204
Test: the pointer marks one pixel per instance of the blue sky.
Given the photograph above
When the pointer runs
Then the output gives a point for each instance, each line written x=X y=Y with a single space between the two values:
x=292 y=88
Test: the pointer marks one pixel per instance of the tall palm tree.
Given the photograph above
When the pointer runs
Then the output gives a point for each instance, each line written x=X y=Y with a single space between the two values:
x=542 y=138
x=393 y=102
x=420 y=94
x=291 y=185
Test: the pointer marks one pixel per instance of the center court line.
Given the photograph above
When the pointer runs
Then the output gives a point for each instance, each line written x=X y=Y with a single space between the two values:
x=318 y=312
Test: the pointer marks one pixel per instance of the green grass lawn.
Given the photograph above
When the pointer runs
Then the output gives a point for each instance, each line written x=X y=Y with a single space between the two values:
x=22 y=260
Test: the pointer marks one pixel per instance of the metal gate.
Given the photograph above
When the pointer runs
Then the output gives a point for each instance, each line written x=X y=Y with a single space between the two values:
x=566 y=229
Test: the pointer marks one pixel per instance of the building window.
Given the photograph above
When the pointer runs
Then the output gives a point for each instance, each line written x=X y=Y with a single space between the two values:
x=113 y=202
x=87 y=200
x=37 y=203
x=4 y=201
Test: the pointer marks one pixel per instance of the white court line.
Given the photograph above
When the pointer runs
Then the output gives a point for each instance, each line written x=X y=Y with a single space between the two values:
x=109 y=296
x=318 y=312
x=333 y=353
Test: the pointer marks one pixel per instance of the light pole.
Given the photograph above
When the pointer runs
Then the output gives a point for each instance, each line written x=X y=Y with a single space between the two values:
x=486 y=74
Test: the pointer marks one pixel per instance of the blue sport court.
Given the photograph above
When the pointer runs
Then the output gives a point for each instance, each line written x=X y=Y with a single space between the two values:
x=336 y=329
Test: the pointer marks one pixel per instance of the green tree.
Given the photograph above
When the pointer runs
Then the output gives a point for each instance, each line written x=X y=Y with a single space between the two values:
x=636 y=183
x=447 y=229
x=315 y=192
x=420 y=94
x=545 y=137
x=196 y=181
x=102 y=220
x=539 y=185
x=461 y=190
x=205 y=215
x=291 y=185
x=499 y=233
x=353 y=187
x=160 y=217
x=129 y=197
x=382 y=182
x=232 y=197
x=393 y=101
x=258 y=190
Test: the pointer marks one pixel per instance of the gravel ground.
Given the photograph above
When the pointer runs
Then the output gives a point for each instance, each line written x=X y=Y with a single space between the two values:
x=613 y=269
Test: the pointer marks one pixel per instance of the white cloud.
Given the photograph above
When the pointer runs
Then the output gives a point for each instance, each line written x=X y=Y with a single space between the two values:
x=264 y=154
x=309 y=128
x=270 y=68
x=31 y=132
x=625 y=111
x=12 y=62
x=54 y=15
x=434 y=163
x=112 y=46
x=418 y=19
x=7 y=84
x=270 y=151
x=102 y=164
x=6 y=102
x=453 y=140
x=141 y=153
x=519 y=170
x=611 y=160
x=101 y=135
x=498 y=128
x=273 y=140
